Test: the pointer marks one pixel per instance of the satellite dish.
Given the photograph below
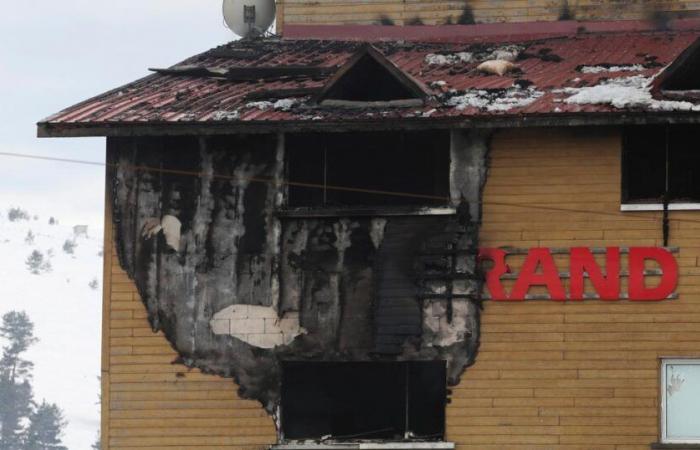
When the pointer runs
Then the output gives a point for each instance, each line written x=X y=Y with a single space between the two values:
x=249 y=18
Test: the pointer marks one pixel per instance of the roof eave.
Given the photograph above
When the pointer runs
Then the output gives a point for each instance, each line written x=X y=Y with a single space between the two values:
x=48 y=129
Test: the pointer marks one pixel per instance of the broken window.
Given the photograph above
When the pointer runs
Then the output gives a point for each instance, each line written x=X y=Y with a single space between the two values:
x=363 y=400
x=660 y=161
x=408 y=168
x=680 y=390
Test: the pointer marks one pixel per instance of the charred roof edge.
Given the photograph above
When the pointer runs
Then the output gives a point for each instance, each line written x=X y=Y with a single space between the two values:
x=46 y=129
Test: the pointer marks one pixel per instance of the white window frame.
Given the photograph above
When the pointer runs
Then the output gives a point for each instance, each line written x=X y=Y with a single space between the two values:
x=665 y=362
x=659 y=207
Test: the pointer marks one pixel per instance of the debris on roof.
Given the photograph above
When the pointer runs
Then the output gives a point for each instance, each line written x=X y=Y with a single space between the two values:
x=277 y=80
x=496 y=67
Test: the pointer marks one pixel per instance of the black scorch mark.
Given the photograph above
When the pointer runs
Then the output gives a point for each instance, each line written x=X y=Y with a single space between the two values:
x=247 y=288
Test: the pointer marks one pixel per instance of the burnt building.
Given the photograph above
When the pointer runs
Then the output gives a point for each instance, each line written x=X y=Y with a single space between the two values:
x=405 y=237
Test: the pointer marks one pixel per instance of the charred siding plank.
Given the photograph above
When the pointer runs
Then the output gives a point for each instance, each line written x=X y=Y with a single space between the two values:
x=398 y=311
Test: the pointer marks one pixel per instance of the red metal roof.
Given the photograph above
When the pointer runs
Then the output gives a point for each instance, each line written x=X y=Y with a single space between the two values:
x=550 y=70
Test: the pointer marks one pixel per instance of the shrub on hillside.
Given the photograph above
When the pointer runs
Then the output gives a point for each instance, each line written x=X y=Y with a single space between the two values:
x=69 y=246
x=37 y=264
x=17 y=214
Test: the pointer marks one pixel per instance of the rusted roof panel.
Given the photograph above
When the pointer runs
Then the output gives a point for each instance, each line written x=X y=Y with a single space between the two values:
x=560 y=74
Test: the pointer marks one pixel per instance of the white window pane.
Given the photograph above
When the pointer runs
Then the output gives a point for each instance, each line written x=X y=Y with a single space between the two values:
x=683 y=401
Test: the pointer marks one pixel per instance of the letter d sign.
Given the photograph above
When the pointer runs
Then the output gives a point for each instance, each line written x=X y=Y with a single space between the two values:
x=637 y=259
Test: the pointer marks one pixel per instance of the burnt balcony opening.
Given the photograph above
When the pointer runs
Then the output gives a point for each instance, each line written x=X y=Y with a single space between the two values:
x=371 y=169
x=355 y=401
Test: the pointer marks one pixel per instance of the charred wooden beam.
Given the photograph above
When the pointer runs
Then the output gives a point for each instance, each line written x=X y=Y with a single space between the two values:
x=252 y=73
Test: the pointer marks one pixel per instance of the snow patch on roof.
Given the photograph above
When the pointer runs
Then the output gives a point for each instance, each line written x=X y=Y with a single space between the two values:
x=625 y=92
x=507 y=53
x=607 y=68
x=284 y=104
x=504 y=53
x=435 y=59
x=501 y=100
x=225 y=115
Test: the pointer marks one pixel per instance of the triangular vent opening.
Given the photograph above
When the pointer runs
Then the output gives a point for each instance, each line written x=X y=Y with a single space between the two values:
x=370 y=78
x=684 y=73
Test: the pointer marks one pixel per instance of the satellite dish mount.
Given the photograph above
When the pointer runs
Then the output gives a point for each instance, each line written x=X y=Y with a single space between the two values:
x=249 y=18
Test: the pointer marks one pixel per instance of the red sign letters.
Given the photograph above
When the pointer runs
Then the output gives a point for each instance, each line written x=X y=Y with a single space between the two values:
x=539 y=270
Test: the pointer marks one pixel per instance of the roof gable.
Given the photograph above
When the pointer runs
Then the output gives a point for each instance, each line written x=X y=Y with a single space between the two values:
x=367 y=78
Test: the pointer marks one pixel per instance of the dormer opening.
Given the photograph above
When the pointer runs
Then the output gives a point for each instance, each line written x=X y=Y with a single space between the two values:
x=370 y=79
x=681 y=79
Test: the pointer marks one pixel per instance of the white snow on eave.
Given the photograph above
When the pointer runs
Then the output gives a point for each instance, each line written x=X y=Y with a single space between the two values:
x=623 y=93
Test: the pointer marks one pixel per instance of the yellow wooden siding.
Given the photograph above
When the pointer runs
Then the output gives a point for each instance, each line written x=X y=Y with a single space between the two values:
x=548 y=375
x=150 y=403
x=580 y=374
x=436 y=12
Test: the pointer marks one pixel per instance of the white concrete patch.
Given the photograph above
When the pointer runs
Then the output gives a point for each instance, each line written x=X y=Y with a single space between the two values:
x=259 y=326
x=444 y=332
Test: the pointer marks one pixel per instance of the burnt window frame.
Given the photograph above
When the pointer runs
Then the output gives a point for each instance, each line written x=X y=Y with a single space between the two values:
x=666 y=197
x=406 y=368
x=440 y=175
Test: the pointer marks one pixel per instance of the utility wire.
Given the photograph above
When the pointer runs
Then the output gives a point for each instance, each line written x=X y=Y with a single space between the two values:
x=337 y=188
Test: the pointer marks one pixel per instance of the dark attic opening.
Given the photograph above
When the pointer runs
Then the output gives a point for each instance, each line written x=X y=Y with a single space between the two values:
x=684 y=73
x=403 y=168
x=369 y=77
x=363 y=400
x=661 y=164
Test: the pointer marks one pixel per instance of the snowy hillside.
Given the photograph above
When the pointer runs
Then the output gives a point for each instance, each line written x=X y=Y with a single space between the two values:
x=64 y=302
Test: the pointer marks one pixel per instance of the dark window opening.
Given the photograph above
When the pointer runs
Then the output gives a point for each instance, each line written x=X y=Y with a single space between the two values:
x=364 y=400
x=368 y=169
x=368 y=81
x=661 y=160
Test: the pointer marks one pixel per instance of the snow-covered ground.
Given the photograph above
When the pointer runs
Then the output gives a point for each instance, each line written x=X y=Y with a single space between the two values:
x=66 y=312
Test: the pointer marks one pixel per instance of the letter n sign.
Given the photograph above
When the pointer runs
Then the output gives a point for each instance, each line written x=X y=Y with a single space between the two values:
x=540 y=270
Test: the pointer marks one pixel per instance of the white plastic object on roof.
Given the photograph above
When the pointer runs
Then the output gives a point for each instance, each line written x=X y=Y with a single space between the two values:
x=248 y=18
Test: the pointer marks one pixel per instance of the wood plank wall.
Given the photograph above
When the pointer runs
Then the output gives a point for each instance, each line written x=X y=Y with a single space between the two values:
x=150 y=403
x=580 y=375
x=548 y=376
x=432 y=12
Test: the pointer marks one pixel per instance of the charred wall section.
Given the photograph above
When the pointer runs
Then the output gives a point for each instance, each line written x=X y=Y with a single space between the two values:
x=237 y=286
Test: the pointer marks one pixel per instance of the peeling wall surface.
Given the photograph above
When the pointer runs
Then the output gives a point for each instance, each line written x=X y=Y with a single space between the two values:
x=237 y=288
